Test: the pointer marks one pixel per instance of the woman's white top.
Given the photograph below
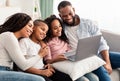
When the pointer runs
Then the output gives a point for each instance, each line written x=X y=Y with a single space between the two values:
x=10 y=52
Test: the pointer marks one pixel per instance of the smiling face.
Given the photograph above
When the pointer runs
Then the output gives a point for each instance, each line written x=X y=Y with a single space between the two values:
x=56 y=28
x=39 y=32
x=27 y=30
x=67 y=14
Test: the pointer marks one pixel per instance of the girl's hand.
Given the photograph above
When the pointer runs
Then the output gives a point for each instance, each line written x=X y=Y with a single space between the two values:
x=47 y=72
x=48 y=66
x=60 y=57
x=43 y=51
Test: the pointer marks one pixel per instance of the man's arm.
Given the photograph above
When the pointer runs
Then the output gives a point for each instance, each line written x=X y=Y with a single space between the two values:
x=105 y=55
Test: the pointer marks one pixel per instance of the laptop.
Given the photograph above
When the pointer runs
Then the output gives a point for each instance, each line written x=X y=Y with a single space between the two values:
x=86 y=47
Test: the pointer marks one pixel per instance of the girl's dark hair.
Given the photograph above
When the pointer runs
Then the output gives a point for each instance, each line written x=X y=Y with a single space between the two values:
x=37 y=22
x=49 y=35
x=63 y=4
x=15 y=22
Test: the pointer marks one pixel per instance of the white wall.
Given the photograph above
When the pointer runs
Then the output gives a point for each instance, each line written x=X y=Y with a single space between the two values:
x=26 y=6
x=105 y=12
x=7 y=11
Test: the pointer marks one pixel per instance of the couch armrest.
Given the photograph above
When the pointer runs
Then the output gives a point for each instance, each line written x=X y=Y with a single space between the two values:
x=113 y=40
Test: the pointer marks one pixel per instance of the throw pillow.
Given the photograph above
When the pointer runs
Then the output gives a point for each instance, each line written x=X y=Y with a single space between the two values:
x=79 y=68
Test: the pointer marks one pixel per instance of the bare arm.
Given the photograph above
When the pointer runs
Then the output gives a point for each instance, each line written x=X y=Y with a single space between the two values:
x=105 y=55
x=57 y=59
x=45 y=72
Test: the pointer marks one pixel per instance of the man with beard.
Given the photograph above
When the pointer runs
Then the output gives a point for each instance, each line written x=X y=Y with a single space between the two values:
x=77 y=28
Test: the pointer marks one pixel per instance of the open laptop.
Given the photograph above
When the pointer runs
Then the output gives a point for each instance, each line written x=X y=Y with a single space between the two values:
x=86 y=47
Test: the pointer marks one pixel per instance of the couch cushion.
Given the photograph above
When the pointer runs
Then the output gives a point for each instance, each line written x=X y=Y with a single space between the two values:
x=115 y=75
x=113 y=40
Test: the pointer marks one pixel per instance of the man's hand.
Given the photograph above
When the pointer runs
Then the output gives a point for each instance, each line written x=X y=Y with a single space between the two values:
x=108 y=68
x=105 y=55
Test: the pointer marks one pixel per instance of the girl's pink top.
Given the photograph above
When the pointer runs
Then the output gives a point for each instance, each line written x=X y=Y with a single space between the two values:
x=57 y=47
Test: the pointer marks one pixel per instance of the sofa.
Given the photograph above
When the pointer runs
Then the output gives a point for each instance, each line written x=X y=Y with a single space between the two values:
x=113 y=40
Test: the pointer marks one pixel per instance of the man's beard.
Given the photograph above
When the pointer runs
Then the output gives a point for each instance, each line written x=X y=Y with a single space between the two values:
x=70 y=24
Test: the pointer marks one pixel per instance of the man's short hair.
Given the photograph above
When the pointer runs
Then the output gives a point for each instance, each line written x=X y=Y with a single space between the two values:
x=63 y=4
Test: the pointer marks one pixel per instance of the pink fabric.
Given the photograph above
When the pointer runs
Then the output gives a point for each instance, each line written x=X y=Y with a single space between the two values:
x=57 y=47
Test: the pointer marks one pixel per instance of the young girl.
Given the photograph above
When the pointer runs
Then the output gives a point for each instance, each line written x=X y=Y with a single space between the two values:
x=33 y=46
x=19 y=25
x=59 y=44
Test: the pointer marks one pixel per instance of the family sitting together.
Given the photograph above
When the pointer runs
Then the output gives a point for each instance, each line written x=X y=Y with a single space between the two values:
x=35 y=46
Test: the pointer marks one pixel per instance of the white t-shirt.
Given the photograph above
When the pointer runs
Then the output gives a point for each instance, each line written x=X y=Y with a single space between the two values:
x=30 y=49
x=72 y=36
x=10 y=52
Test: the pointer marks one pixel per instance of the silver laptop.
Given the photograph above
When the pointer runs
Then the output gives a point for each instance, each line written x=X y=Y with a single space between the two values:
x=86 y=47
